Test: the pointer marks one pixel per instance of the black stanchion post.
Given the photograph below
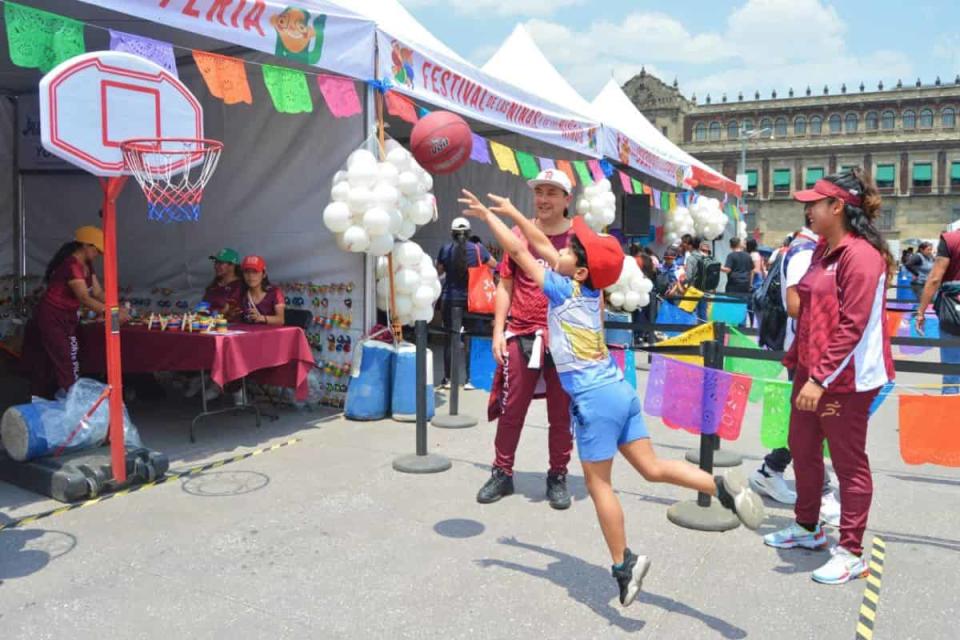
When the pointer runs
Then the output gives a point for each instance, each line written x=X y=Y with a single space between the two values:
x=455 y=420
x=719 y=457
x=705 y=514
x=421 y=461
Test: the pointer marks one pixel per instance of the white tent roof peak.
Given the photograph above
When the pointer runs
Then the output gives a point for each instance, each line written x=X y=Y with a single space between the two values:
x=393 y=17
x=535 y=73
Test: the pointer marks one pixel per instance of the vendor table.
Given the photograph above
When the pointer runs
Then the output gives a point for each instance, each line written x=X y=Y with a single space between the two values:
x=277 y=356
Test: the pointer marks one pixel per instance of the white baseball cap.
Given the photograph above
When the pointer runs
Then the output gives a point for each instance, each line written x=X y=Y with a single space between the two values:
x=460 y=224
x=552 y=176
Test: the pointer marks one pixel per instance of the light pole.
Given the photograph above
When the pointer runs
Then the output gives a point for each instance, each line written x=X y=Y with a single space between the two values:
x=745 y=136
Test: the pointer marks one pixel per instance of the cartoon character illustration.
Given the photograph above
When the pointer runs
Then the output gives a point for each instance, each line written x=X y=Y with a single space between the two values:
x=623 y=146
x=592 y=137
x=402 y=58
x=295 y=32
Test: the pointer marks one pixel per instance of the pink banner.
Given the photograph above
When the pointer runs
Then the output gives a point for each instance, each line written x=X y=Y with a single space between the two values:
x=340 y=95
x=626 y=182
x=596 y=170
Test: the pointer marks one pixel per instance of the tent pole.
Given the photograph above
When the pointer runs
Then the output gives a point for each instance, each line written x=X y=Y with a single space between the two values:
x=369 y=261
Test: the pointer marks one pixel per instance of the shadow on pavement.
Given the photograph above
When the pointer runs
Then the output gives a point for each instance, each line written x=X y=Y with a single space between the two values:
x=950 y=482
x=219 y=484
x=26 y=551
x=912 y=538
x=592 y=586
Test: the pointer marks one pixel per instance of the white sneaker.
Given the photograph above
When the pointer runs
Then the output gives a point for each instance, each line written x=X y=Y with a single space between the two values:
x=796 y=536
x=192 y=388
x=748 y=506
x=830 y=510
x=469 y=387
x=772 y=485
x=842 y=567
x=212 y=393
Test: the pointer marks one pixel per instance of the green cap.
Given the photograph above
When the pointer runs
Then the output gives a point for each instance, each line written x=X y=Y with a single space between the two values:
x=227 y=255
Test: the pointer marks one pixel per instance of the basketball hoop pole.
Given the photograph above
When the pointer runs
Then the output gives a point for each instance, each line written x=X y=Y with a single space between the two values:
x=112 y=187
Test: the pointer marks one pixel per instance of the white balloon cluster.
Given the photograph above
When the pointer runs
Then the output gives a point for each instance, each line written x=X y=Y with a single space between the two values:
x=708 y=218
x=372 y=203
x=678 y=223
x=415 y=281
x=598 y=206
x=741 y=229
x=632 y=290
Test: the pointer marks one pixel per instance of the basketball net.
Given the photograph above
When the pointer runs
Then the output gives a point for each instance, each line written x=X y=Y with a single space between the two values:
x=172 y=172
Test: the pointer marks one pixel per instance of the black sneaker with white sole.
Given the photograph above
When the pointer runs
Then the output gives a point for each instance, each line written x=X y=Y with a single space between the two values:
x=499 y=485
x=557 y=492
x=629 y=576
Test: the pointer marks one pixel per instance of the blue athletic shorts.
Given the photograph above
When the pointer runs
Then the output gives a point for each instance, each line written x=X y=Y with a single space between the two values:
x=605 y=418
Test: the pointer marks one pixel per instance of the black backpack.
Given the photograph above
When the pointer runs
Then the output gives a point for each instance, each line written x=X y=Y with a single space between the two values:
x=768 y=306
x=708 y=274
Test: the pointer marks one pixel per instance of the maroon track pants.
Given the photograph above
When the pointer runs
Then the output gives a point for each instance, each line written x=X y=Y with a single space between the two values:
x=841 y=418
x=50 y=350
x=519 y=385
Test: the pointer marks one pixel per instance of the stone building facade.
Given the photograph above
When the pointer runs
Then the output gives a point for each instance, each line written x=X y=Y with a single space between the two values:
x=907 y=136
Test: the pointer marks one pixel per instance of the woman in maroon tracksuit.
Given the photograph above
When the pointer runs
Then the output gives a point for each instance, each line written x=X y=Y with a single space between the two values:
x=842 y=357
x=50 y=347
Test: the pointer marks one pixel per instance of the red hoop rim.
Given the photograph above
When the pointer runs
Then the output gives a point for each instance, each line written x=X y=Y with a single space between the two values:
x=153 y=145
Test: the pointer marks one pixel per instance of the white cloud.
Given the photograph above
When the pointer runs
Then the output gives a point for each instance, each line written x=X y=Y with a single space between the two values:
x=499 y=7
x=765 y=45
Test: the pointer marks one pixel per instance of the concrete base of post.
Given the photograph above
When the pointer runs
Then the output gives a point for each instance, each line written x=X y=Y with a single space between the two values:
x=691 y=515
x=721 y=458
x=430 y=463
x=454 y=422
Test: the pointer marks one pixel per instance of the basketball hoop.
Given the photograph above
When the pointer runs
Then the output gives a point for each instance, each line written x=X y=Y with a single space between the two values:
x=172 y=173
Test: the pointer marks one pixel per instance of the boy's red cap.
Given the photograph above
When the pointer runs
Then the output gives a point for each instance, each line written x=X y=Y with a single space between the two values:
x=253 y=263
x=604 y=254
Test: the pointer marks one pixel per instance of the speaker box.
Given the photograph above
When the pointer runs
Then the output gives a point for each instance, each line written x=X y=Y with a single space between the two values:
x=635 y=214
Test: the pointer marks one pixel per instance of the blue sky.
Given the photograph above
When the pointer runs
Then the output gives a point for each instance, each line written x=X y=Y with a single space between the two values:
x=718 y=46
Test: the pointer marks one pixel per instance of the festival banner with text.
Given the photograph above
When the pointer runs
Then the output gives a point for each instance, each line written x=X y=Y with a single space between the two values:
x=336 y=39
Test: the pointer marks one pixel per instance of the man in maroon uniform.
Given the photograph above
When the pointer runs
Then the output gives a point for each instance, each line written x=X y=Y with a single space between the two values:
x=519 y=347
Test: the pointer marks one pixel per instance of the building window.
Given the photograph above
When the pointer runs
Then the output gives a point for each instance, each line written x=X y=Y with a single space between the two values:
x=700 y=132
x=926 y=118
x=733 y=130
x=948 y=118
x=799 y=126
x=850 y=123
x=922 y=174
x=955 y=174
x=909 y=119
x=888 y=219
x=872 y=121
x=813 y=174
x=715 y=131
x=781 y=180
x=780 y=127
x=663 y=130
x=836 y=124
x=887 y=120
x=816 y=125
x=885 y=176
x=751 y=179
x=766 y=123
x=748 y=125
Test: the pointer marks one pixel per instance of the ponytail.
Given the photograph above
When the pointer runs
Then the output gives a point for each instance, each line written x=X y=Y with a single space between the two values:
x=861 y=221
x=65 y=250
x=458 y=266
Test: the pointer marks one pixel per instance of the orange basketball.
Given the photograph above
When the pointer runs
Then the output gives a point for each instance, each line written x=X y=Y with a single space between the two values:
x=441 y=142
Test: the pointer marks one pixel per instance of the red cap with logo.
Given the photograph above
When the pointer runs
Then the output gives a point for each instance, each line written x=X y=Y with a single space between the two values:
x=253 y=263
x=604 y=254
x=826 y=189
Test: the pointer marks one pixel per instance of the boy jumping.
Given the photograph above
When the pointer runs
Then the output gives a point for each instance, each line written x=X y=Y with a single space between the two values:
x=605 y=409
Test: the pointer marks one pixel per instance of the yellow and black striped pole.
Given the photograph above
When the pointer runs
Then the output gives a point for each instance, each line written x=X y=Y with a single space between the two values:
x=871 y=592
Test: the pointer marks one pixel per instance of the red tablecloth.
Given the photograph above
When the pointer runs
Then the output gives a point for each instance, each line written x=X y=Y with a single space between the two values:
x=277 y=356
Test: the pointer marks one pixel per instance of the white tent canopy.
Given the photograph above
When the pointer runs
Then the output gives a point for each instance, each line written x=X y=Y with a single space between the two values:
x=522 y=63
x=620 y=112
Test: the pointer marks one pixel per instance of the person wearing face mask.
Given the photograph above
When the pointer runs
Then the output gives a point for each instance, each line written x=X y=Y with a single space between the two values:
x=841 y=356
x=519 y=347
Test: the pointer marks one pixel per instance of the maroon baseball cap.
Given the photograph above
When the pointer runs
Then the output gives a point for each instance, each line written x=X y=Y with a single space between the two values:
x=604 y=254
x=826 y=189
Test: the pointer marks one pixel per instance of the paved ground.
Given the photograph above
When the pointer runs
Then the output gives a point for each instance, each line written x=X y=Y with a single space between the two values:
x=323 y=539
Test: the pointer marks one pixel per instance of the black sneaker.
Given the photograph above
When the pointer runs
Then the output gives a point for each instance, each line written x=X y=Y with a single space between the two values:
x=557 y=492
x=500 y=484
x=629 y=577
